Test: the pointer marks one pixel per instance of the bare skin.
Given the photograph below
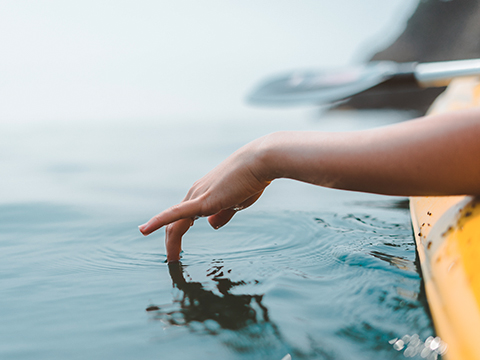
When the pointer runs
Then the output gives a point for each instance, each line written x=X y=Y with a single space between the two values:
x=434 y=155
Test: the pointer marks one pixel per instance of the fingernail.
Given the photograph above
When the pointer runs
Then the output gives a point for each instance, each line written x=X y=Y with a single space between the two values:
x=142 y=228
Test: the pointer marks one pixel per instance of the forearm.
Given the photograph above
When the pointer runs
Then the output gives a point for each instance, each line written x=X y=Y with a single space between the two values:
x=435 y=155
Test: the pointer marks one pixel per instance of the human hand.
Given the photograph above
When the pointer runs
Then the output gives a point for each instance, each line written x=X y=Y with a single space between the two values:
x=233 y=185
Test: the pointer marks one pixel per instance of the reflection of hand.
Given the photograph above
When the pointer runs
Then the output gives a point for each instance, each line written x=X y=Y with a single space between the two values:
x=233 y=185
x=230 y=311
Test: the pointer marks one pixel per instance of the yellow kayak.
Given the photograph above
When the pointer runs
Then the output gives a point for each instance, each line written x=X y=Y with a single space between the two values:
x=447 y=234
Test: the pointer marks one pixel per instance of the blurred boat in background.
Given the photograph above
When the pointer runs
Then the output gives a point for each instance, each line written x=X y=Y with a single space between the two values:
x=437 y=31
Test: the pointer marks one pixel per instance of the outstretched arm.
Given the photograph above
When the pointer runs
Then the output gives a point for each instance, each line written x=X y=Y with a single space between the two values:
x=434 y=155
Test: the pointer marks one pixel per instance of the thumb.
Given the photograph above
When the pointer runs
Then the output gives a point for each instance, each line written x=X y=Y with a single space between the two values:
x=224 y=216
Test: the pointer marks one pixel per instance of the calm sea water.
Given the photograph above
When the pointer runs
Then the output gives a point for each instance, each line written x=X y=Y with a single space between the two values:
x=310 y=272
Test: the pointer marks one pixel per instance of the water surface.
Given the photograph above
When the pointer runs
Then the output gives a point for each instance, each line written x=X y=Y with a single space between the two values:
x=110 y=114
x=326 y=284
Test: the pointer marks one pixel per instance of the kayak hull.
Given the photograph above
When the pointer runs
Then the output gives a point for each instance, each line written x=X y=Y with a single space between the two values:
x=447 y=235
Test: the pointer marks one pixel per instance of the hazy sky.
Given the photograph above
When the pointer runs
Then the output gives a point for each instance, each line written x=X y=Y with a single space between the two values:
x=107 y=60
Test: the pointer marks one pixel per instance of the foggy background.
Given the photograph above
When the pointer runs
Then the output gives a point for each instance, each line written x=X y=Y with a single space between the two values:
x=171 y=60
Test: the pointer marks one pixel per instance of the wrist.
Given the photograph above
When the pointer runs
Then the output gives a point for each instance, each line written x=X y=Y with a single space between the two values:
x=267 y=165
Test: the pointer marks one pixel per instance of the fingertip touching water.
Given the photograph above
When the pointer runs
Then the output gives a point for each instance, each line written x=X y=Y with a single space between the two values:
x=380 y=160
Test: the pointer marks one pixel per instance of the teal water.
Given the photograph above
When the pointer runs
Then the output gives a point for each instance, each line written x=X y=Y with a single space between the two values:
x=334 y=283
x=306 y=271
x=109 y=114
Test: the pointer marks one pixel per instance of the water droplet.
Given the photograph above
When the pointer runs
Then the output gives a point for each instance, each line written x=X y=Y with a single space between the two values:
x=399 y=345
x=409 y=352
x=442 y=349
x=425 y=352
x=435 y=343
x=393 y=341
x=429 y=341
x=406 y=339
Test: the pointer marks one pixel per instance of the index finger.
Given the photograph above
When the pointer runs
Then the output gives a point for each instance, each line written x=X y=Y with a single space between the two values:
x=186 y=209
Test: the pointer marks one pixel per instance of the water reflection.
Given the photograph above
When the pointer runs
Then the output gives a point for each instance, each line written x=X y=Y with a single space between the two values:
x=196 y=303
x=397 y=261
x=402 y=204
x=241 y=320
